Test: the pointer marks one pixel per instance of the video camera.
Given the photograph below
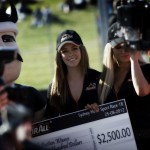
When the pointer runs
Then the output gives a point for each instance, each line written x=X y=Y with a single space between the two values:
x=133 y=16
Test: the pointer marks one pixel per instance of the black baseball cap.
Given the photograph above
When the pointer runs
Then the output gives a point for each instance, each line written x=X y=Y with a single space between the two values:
x=114 y=34
x=68 y=36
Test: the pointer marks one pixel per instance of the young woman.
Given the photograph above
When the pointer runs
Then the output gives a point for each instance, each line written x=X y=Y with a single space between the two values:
x=127 y=76
x=74 y=84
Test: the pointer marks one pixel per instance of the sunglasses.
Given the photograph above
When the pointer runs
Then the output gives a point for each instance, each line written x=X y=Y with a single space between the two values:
x=122 y=46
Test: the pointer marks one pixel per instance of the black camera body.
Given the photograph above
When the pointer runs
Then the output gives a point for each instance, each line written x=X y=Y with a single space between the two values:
x=133 y=17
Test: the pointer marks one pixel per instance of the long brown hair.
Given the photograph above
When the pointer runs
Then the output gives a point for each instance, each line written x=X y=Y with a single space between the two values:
x=59 y=87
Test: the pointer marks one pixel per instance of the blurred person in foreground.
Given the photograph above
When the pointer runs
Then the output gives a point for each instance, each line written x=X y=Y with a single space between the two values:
x=75 y=84
x=10 y=70
x=126 y=76
x=15 y=128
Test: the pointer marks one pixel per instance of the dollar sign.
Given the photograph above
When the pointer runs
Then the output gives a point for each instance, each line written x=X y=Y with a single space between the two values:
x=98 y=137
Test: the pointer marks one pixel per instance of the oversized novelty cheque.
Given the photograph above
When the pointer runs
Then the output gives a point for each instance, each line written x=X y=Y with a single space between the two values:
x=109 y=129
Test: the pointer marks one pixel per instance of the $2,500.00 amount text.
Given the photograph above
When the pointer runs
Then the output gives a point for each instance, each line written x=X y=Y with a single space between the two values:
x=114 y=135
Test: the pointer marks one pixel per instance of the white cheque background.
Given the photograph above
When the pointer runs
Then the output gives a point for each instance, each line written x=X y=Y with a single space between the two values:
x=92 y=136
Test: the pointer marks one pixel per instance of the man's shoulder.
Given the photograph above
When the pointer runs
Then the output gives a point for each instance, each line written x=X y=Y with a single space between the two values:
x=29 y=90
x=24 y=86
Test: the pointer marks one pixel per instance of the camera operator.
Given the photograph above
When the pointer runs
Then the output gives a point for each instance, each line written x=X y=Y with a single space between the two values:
x=10 y=69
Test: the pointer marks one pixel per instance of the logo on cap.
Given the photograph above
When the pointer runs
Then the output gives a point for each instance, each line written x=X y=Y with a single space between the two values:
x=66 y=36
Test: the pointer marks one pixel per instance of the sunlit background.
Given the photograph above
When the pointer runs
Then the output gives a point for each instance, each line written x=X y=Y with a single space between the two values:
x=38 y=43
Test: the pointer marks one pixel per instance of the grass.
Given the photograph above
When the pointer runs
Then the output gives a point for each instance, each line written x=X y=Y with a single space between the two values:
x=37 y=45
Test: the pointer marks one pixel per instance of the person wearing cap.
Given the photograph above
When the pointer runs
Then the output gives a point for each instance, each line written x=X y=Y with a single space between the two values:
x=10 y=70
x=126 y=76
x=75 y=84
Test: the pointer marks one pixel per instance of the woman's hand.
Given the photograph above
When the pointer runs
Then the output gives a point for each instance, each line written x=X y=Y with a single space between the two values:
x=140 y=83
x=135 y=56
x=93 y=106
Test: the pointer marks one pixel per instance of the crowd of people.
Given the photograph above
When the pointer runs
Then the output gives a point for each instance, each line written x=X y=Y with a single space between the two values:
x=68 y=5
x=75 y=85
x=42 y=16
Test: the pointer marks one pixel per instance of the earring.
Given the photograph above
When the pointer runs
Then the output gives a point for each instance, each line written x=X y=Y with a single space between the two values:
x=115 y=60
